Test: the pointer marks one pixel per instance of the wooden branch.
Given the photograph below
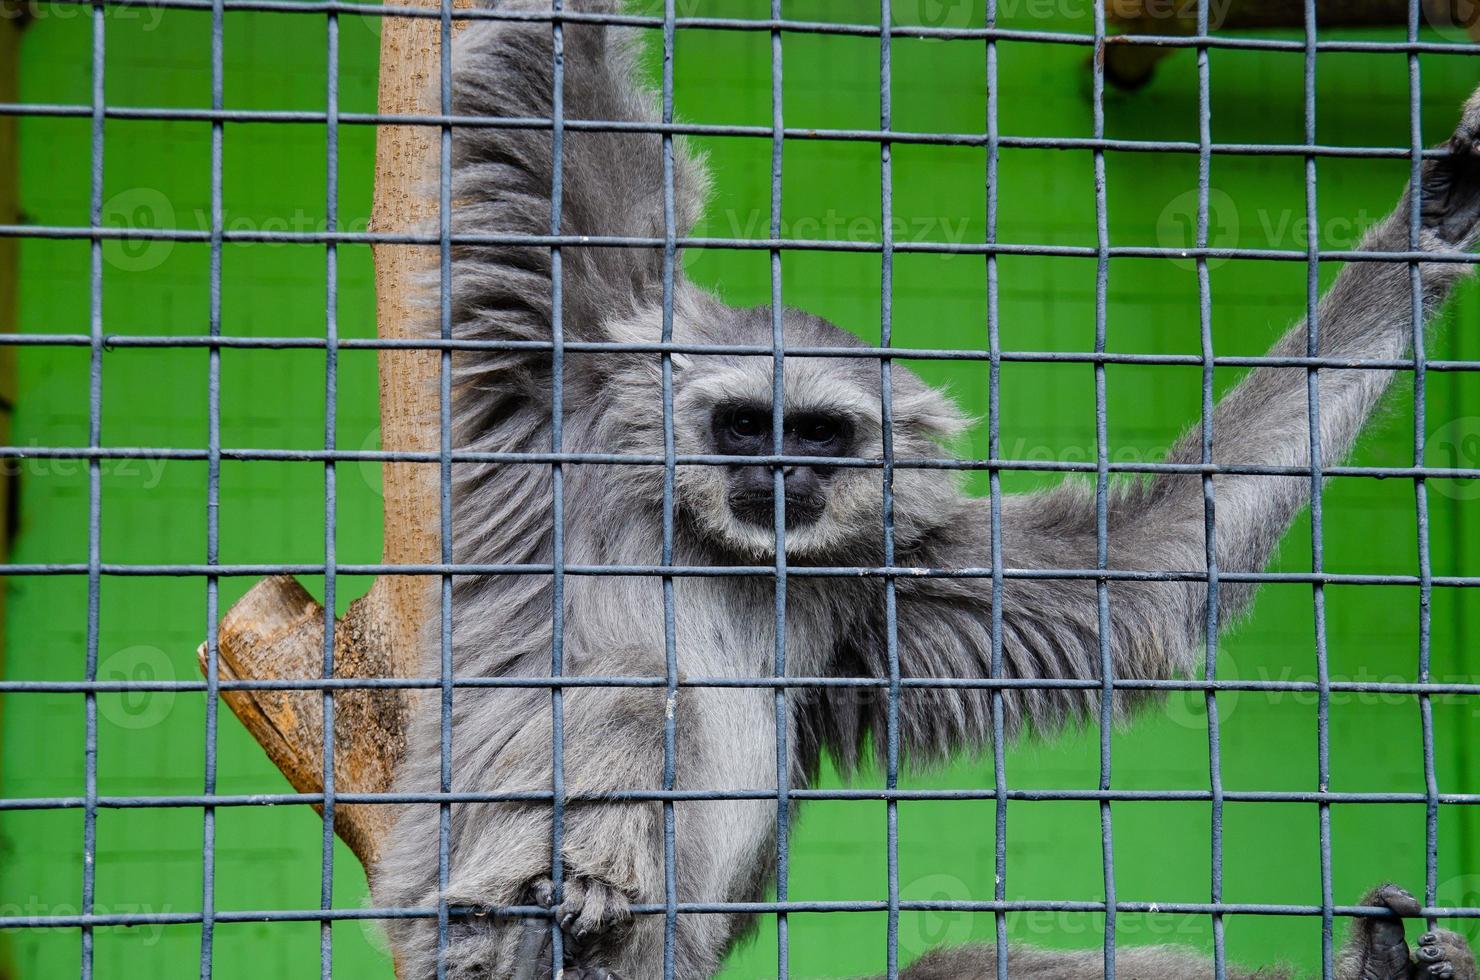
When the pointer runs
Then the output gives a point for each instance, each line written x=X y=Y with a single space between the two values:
x=276 y=631
x=1131 y=65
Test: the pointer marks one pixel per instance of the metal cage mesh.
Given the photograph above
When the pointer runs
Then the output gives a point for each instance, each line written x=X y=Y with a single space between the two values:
x=97 y=341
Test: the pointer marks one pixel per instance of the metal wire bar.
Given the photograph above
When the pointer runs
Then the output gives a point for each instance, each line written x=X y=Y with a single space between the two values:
x=669 y=478
x=1317 y=487
x=712 y=908
x=300 y=116
x=1393 y=688
x=557 y=482
x=444 y=482
x=994 y=477
x=617 y=459
x=96 y=231
x=777 y=24
x=778 y=495
x=213 y=504
x=1210 y=498
x=772 y=244
x=748 y=571
x=670 y=618
x=94 y=495
x=1420 y=485
x=886 y=415
x=124 y=341
x=653 y=796
x=331 y=486
x=1102 y=489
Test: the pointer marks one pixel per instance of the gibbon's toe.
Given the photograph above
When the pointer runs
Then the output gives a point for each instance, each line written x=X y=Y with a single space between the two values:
x=1444 y=955
x=593 y=909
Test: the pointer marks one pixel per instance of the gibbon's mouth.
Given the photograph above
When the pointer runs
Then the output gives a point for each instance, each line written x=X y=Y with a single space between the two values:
x=802 y=509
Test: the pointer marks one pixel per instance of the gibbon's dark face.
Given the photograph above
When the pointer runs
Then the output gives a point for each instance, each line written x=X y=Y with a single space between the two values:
x=832 y=409
x=746 y=429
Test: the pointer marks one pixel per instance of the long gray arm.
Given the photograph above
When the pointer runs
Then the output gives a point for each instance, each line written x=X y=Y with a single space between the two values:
x=1050 y=627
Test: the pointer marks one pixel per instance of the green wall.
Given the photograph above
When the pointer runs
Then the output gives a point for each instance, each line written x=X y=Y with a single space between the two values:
x=157 y=174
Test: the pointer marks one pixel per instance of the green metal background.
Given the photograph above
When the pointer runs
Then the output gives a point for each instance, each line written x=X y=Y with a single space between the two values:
x=157 y=174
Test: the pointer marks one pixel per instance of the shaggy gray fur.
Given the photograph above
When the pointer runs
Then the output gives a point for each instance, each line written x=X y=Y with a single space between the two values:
x=502 y=625
x=1374 y=950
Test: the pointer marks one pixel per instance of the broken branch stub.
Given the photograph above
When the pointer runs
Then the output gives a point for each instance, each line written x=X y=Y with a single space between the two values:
x=276 y=632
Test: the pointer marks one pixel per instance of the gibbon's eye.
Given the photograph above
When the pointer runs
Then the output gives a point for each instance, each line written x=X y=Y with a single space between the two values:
x=747 y=423
x=817 y=429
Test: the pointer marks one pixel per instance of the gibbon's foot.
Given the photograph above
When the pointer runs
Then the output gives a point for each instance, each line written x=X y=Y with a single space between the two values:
x=1378 y=951
x=1451 y=185
x=1445 y=955
x=593 y=916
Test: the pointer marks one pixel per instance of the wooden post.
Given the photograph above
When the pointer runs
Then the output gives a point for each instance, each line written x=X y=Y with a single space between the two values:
x=277 y=629
x=1131 y=65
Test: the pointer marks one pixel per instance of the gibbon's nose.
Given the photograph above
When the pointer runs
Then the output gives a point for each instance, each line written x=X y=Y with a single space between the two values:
x=752 y=495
